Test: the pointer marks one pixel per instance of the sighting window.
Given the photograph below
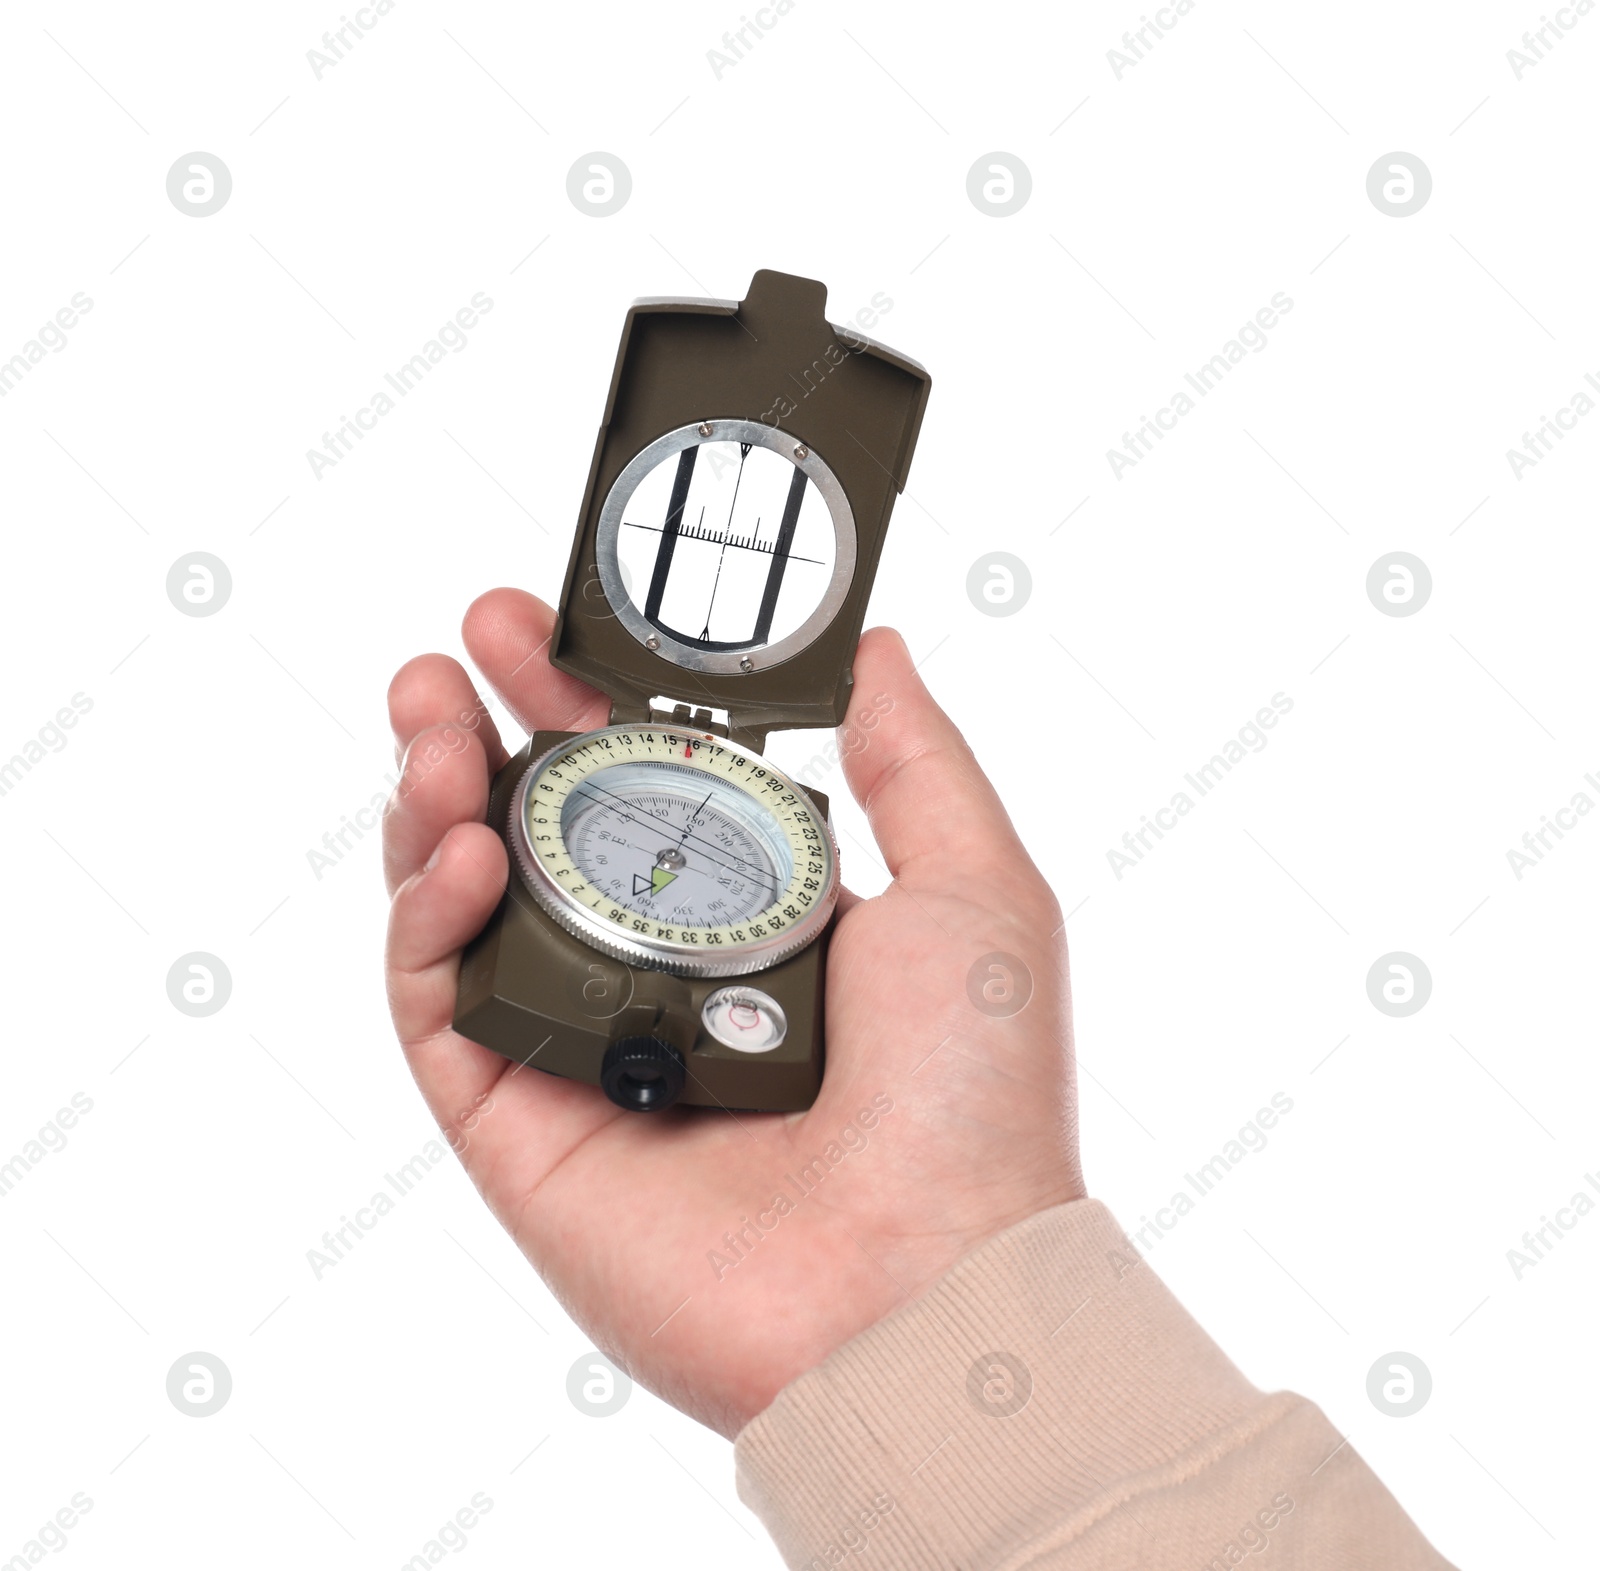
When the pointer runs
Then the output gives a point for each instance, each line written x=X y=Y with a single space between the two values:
x=715 y=547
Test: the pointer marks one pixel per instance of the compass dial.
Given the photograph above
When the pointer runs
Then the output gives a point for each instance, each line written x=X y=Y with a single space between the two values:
x=674 y=849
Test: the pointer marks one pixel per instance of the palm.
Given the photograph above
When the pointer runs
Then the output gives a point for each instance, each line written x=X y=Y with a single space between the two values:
x=666 y=1237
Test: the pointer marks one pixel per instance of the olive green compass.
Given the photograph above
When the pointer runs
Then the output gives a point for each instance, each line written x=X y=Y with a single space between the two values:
x=664 y=927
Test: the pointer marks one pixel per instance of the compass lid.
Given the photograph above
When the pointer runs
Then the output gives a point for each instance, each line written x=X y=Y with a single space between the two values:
x=746 y=466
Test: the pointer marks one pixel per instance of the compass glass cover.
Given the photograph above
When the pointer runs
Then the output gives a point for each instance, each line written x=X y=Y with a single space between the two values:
x=674 y=849
x=668 y=842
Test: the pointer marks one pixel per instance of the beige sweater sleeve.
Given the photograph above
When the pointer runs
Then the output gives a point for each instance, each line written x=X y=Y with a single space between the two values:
x=1049 y=1405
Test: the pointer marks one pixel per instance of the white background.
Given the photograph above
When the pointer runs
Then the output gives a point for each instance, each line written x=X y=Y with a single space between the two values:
x=1166 y=608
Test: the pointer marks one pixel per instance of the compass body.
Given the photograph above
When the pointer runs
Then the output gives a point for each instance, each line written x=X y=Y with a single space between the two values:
x=664 y=929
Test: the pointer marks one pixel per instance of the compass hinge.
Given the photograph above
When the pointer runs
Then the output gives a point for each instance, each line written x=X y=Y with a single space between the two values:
x=754 y=738
x=689 y=719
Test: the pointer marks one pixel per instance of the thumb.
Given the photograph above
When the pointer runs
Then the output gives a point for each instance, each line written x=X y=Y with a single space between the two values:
x=933 y=812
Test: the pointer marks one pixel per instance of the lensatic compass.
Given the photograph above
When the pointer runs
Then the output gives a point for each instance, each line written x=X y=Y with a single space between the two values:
x=664 y=926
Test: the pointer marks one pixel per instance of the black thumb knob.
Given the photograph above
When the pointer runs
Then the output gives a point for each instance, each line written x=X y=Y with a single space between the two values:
x=642 y=1073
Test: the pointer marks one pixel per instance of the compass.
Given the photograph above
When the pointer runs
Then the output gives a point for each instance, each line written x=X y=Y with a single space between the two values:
x=664 y=929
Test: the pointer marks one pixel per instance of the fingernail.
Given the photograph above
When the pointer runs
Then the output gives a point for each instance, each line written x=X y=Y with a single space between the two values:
x=433 y=861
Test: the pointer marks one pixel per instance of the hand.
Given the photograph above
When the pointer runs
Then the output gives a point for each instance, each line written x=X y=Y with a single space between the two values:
x=625 y=1214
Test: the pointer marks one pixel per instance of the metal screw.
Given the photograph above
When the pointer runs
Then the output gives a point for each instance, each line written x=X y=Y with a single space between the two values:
x=652 y=642
x=746 y=663
x=705 y=428
x=802 y=453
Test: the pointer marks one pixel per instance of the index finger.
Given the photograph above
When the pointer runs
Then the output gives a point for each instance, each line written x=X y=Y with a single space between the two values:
x=507 y=632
